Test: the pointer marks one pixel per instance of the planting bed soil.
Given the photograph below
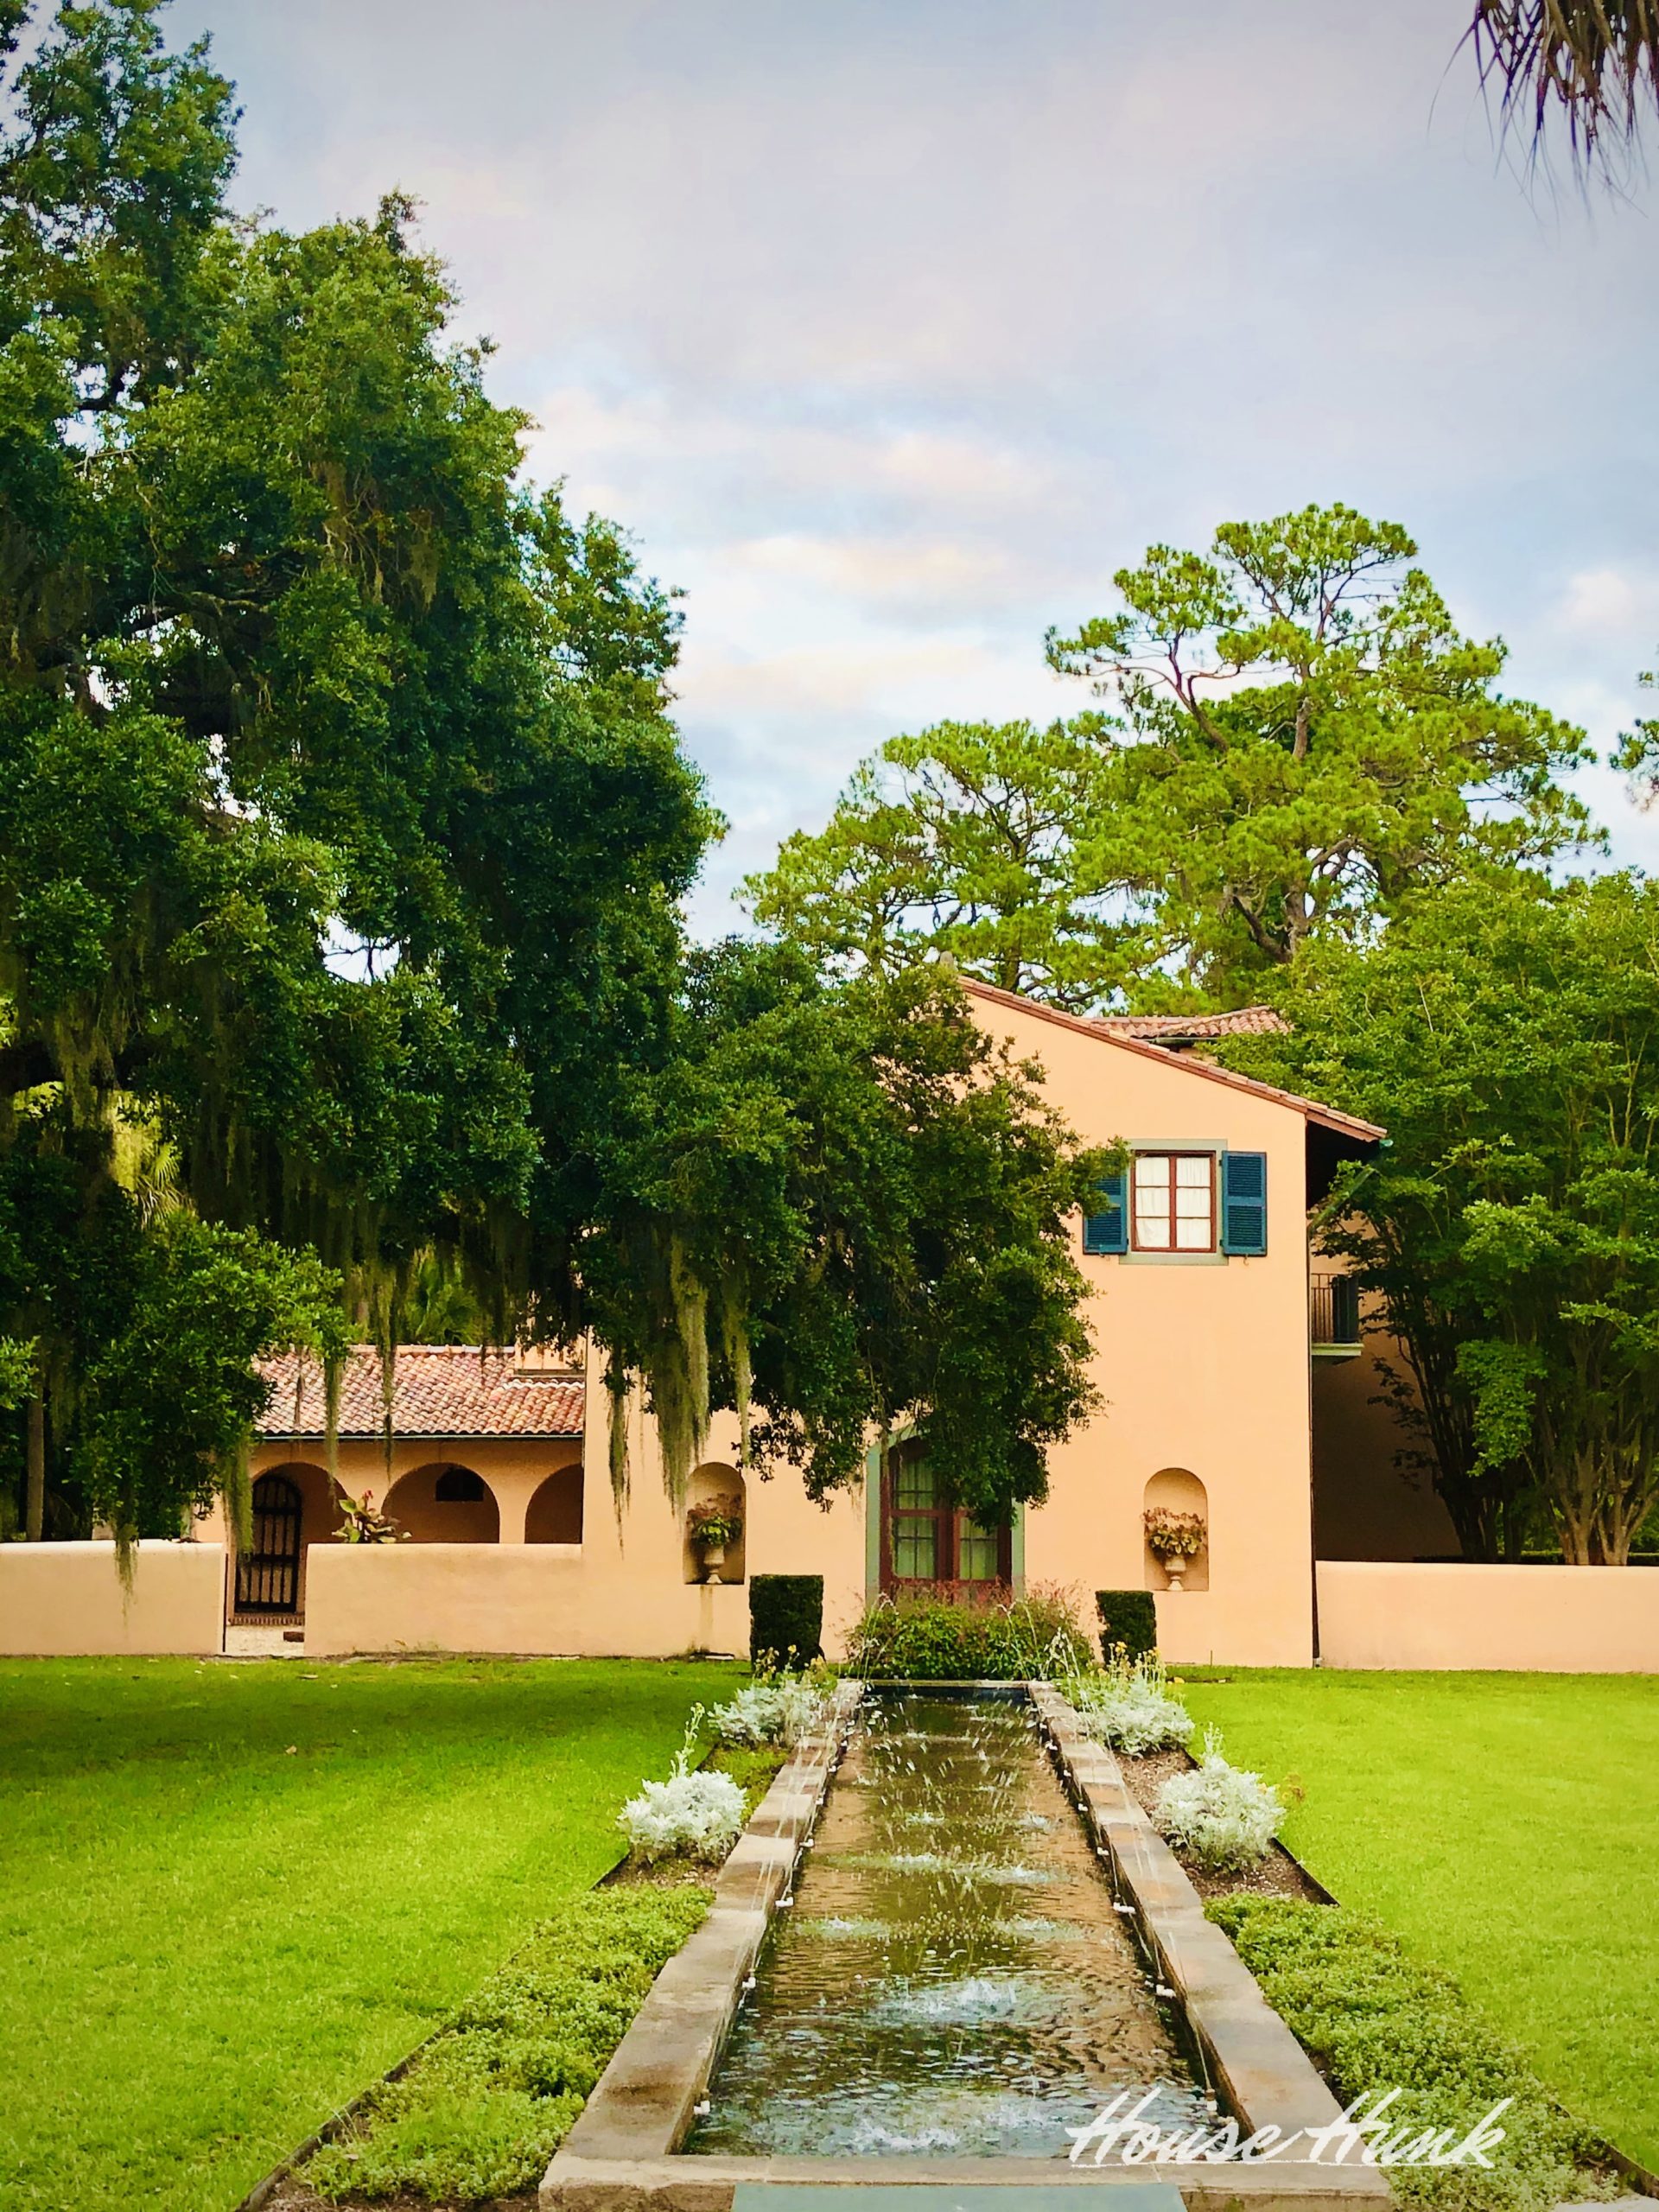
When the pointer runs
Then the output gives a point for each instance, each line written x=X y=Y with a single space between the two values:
x=294 y=2197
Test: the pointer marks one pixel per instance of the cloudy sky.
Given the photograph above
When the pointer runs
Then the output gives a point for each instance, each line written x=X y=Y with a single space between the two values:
x=890 y=328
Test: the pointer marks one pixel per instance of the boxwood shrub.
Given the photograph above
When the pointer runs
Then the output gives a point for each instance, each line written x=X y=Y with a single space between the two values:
x=1128 y=1617
x=785 y=1619
x=1374 y=2020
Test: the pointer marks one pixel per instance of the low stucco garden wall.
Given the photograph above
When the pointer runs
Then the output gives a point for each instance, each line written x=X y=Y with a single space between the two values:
x=66 y=1601
x=1568 y=1620
x=532 y=1597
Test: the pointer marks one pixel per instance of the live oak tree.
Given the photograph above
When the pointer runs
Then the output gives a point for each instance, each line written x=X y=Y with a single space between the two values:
x=1300 y=740
x=343 y=830
x=341 y=821
x=1507 y=1033
x=870 y=1209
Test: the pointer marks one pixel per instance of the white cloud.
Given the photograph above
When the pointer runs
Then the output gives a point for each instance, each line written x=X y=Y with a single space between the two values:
x=1611 y=603
x=891 y=331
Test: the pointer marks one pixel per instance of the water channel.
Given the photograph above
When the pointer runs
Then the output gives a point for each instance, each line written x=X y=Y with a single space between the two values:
x=952 y=1977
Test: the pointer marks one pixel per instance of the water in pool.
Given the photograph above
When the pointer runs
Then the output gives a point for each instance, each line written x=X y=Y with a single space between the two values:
x=952 y=1979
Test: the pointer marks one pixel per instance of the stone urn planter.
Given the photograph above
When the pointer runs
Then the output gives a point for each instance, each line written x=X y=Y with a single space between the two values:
x=711 y=1528
x=1174 y=1540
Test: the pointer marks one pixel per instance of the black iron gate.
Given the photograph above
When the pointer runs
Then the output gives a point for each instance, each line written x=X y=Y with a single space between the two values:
x=268 y=1576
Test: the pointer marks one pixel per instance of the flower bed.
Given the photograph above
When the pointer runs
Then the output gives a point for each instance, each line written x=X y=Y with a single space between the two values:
x=935 y=1640
x=490 y=2098
x=1373 y=2020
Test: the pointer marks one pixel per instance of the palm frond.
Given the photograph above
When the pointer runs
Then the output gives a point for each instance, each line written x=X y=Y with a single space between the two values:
x=1591 y=64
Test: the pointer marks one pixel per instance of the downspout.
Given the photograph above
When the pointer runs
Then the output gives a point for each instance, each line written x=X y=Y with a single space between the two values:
x=1308 y=1355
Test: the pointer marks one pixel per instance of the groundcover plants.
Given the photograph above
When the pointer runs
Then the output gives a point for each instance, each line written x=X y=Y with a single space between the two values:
x=487 y=2104
x=1219 y=1815
x=1376 y=2021
x=1129 y=1704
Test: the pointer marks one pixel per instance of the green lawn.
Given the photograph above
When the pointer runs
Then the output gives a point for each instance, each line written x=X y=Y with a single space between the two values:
x=234 y=1894
x=1505 y=1826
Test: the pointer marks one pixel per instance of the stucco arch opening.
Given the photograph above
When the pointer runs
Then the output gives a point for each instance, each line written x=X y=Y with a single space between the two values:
x=1176 y=1490
x=710 y=1484
x=554 y=1513
x=319 y=1520
x=445 y=1503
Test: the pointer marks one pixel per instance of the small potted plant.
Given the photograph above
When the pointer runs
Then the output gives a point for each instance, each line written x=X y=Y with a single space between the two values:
x=1173 y=1539
x=711 y=1527
x=361 y=1520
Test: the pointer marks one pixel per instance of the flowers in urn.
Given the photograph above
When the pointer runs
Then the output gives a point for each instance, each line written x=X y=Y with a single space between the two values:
x=1173 y=1539
x=711 y=1527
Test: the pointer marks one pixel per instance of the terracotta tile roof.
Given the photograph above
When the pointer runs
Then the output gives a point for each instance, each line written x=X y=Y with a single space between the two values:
x=1324 y=1117
x=440 y=1390
x=1194 y=1028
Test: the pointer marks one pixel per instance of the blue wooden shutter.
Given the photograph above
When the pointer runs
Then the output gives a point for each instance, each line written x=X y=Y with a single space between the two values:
x=1244 y=1203
x=1109 y=1231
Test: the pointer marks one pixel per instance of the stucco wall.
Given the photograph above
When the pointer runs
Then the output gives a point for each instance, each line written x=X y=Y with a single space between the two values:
x=624 y=1589
x=1201 y=1365
x=59 y=1600
x=519 y=1598
x=1572 y=1620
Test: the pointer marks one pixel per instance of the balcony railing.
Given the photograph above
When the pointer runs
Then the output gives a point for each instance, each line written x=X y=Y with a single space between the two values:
x=1333 y=1316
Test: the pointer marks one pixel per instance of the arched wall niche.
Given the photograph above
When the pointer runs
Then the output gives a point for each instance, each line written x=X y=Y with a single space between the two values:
x=413 y=1502
x=710 y=1484
x=1178 y=1491
x=554 y=1514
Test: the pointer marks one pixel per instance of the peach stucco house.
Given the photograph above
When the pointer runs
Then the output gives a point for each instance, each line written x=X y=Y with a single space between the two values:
x=1198 y=1264
x=1234 y=1383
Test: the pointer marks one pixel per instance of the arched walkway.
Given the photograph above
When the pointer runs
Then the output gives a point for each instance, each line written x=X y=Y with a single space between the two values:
x=554 y=1514
x=444 y=1504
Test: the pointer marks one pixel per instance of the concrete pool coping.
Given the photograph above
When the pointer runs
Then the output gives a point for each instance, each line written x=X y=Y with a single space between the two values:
x=621 y=2155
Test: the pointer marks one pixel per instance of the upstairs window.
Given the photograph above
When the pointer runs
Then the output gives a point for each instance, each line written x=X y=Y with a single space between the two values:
x=1175 y=1202
x=1182 y=1203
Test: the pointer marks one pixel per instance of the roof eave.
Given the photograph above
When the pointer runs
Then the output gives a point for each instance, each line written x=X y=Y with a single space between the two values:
x=1325 y=1117
x=424 y=1436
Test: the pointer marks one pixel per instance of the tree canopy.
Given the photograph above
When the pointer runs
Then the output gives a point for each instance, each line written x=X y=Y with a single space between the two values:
x=1508 y=1035
x=343 y=831
x=1300 y=741
x=961 y=840
x=341 y=820
x=870 y=1206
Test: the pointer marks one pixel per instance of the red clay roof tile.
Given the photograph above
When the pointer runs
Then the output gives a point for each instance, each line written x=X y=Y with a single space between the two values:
x=440 y=1390
x=1194 y=1028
